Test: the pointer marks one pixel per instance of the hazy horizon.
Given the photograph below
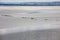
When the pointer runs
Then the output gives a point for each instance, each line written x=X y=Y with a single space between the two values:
x=28 y=0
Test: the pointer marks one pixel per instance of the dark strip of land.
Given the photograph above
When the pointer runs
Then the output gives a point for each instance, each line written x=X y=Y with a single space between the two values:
x=31 y=4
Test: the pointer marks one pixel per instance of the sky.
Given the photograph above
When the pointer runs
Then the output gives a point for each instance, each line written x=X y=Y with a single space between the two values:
x=27 y=0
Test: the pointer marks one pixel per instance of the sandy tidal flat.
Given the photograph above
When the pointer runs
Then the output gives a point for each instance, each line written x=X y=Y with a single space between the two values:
x=23 y=18
x=28 y=7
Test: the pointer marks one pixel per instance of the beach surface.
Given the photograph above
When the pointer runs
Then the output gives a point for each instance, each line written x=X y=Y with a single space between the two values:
x=29 y=22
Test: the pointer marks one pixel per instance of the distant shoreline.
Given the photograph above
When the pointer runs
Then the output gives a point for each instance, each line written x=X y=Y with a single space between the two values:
x=30 y=4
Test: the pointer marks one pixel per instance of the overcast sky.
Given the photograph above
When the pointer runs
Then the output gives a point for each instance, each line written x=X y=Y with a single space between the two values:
x=27 y=0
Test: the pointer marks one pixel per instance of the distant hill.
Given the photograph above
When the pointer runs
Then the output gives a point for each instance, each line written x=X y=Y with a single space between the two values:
x=30 y=4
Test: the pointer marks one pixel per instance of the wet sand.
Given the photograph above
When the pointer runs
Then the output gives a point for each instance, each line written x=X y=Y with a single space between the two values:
x=51 y=34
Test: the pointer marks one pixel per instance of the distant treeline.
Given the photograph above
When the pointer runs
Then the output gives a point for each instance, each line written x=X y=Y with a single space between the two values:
x=31 y=4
